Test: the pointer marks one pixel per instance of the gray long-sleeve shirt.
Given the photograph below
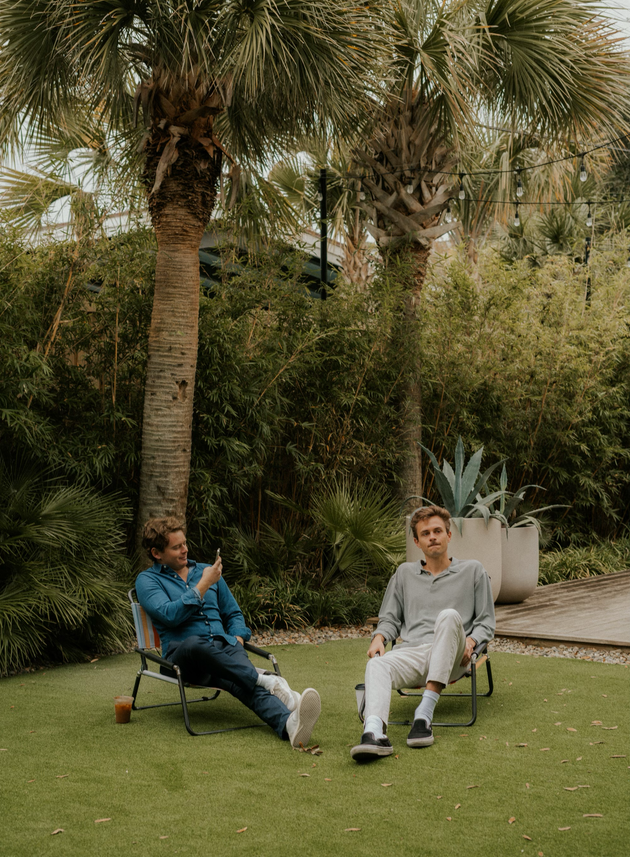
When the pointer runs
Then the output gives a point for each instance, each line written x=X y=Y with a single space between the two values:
x=414 y=597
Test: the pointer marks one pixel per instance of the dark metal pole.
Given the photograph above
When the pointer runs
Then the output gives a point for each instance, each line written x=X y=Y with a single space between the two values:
x=323 y=233
x=587 y=256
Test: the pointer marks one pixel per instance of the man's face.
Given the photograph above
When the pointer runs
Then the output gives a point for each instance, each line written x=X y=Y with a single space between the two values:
x=175 y=553
x=432 y=538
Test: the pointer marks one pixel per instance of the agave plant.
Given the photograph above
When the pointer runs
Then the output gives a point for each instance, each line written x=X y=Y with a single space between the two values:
x=508 y=503
x=460 y=488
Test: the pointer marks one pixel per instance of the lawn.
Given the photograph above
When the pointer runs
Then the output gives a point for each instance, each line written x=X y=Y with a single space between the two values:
x=534 y=758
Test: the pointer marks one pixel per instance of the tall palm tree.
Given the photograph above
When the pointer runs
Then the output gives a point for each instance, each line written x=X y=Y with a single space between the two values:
x=204 y=81
x=552 y=69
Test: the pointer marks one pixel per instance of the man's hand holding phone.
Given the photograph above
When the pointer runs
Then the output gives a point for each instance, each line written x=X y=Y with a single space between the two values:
x=210 y=575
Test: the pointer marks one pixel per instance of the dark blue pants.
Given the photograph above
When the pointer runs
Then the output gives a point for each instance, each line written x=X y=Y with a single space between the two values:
x=216 y=663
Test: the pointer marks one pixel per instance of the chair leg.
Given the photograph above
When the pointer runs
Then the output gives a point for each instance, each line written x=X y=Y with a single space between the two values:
x=473 y=699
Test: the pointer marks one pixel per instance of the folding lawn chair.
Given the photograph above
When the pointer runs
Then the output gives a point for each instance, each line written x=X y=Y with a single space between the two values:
x=149 y=641
x=478 y=658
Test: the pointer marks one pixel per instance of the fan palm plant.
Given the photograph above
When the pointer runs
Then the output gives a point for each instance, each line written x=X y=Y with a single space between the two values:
x=61 y=593
x=203 y=82
x=75 y=165
x=363 y=528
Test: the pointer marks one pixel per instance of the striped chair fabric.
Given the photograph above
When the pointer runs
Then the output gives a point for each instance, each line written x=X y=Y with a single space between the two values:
x=148 y=637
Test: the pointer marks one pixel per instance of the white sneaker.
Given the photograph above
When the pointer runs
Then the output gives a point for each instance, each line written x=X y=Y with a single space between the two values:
x=302 y=720
x=284 y=693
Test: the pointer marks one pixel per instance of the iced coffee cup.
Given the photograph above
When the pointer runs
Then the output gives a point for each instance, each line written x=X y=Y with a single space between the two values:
x=123 y=708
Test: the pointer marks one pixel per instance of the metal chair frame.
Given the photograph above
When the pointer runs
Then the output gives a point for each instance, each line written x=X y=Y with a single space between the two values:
x=480 y=651
x=171 y=673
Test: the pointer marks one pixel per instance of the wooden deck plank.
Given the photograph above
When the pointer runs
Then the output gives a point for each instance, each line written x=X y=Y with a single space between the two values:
x=593 y=611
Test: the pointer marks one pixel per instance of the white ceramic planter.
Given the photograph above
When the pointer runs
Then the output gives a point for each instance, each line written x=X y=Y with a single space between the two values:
x=476 y=542
x=519 y=548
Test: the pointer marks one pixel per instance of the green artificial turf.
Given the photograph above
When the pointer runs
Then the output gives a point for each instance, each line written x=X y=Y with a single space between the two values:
x=66 y=763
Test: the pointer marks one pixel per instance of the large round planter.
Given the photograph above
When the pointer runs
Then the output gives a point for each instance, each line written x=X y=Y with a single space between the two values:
x=519 y=548
x=477 y=541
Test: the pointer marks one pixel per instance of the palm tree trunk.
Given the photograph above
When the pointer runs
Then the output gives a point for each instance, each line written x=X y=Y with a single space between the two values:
x=411 y=471
x=179 y=212
x=172 y=361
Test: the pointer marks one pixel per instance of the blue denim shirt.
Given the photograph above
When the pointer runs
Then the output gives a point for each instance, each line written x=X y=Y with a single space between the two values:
x=178 y=610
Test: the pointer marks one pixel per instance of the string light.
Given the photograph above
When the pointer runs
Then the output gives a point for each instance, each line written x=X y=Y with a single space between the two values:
x=320 y=196
x=404 y=167
x=409 y=188
x=462 y=192
x=448 y=216
x=583 y=174
x=589 y=218
x=519 y=183
x=517 y=219
x=362 y=195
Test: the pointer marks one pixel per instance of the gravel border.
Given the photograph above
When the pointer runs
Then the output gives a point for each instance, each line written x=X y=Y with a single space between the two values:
x=499 y=644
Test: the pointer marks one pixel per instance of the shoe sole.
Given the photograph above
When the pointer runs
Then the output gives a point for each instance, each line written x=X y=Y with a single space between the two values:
x=368 y=752
x=309 y=709
x=420 y=742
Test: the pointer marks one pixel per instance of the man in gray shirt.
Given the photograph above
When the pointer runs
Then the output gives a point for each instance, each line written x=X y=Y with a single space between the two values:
x=442 y=608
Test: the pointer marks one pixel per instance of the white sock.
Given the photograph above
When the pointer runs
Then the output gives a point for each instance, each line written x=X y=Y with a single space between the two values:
x=427 y=706
x=374 y=724
x=279 y=687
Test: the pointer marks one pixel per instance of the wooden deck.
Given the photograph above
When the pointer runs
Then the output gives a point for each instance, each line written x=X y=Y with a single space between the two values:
x=595 y=611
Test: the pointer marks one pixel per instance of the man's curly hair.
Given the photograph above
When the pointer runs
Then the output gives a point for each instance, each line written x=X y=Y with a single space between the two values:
x=157 y=531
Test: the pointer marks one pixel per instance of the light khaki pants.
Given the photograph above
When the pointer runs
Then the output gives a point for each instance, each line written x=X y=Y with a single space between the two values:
x=414 y=666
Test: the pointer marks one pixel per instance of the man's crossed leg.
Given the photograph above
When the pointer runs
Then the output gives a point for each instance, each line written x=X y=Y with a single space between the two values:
x=217 y=663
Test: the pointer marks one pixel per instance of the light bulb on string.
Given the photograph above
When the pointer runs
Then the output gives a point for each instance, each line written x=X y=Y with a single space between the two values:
x=362 y=195
x=589 y=216
x=583 y=173
x=462 y=192
x=409 y=188
x=448 y=216
x=320 y=196
x=517 y=219
x=519 y=183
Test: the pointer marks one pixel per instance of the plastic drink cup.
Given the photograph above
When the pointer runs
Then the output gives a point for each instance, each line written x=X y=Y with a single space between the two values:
x=123 y=708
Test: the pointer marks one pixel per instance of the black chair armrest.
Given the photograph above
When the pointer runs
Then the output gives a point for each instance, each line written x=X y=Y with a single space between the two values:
x=250 y=647
x=150 y=656
x=480 y=648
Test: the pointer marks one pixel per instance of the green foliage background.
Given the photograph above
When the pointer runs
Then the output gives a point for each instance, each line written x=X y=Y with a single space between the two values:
x=299 y=401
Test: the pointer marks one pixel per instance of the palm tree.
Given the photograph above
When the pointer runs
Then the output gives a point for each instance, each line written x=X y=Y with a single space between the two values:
x=207 y=81
x=549 y=69
x=297 y=178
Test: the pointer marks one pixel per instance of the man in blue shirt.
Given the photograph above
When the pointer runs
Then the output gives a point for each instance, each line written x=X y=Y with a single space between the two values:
x=202 y=630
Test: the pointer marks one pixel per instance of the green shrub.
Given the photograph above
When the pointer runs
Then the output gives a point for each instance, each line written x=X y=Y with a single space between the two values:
x=516 y=360
x=285 y=603
x=575 y=563
x=62 y=573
